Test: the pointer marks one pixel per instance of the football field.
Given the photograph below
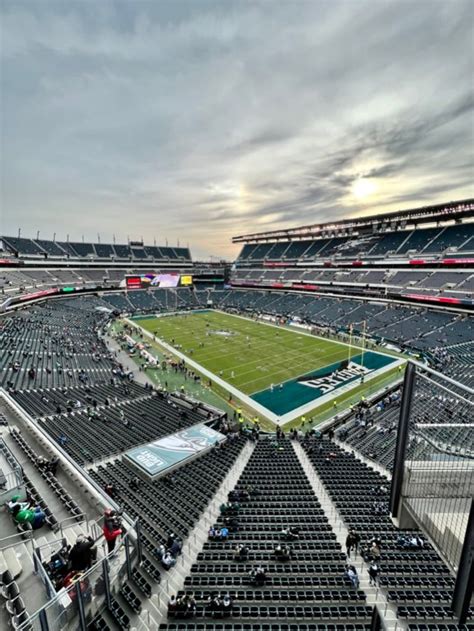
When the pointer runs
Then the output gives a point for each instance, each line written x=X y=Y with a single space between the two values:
x=280 y=369
x=247 y=354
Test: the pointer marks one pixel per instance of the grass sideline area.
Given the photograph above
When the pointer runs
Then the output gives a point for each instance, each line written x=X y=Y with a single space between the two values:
x=247 y=354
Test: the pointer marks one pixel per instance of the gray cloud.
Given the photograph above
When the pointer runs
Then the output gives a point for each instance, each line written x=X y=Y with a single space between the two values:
x=201 y=120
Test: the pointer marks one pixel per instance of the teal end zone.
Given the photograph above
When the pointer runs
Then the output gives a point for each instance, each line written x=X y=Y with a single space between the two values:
x=292 y=394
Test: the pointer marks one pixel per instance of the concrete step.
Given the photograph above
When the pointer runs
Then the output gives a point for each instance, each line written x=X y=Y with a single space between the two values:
x=10 y=559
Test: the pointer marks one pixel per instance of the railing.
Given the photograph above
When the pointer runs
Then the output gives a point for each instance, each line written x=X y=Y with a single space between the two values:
x=74 y=607
x=76 y=520
x=13 y=540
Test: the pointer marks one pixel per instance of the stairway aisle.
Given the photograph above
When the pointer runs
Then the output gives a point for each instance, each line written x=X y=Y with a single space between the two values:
x=174 y=578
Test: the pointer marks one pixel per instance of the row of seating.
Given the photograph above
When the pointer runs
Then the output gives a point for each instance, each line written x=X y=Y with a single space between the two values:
x=176 y=500
x=14 y=604
x=274 y=495
x=70 y=504
x=419 y=576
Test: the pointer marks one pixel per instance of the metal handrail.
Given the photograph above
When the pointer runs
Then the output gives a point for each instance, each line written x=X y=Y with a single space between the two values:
x=85 y=576
x=20 y=538
x=75 y=518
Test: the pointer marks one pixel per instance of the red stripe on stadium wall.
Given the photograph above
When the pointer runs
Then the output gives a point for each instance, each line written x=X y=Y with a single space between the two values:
x=456 y=261
x=453 y=301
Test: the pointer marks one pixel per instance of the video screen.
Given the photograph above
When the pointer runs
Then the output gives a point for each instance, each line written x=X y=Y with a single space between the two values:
x=173 y=279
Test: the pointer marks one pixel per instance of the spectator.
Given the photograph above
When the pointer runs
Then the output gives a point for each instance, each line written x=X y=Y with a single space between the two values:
x=111 y=529
x=176 y=547
x=352 y=542
x=241 y=553
x=224 y=533
x=258 y=576
x=34 y=517
x=109 y=488
x=351 y=574
x=168 y=560
x=82 y=554
x=135 y=483
x=290 y=534
x=374 y=570
x=282 y=553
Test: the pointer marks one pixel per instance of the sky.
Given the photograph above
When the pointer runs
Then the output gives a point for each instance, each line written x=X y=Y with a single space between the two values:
x=196 y=121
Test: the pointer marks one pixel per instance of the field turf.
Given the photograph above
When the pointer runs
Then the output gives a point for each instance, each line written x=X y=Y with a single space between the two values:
x=249 y=355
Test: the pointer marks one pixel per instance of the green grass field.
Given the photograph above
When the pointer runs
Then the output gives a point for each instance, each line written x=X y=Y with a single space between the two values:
x=249 y=355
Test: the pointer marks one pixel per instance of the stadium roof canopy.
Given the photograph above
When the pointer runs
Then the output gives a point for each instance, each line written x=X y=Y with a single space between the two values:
x=457 y=210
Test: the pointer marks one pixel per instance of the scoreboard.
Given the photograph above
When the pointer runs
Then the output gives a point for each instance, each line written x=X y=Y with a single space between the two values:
x=169 y=279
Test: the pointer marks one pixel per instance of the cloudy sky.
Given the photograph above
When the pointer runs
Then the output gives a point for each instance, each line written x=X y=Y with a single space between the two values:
x=201 y=120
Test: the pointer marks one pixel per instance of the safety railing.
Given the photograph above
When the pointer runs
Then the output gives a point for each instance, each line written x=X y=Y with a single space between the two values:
x=74 y=606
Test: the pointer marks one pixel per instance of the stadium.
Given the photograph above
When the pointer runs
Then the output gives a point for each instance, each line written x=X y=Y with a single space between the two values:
x=280 y=443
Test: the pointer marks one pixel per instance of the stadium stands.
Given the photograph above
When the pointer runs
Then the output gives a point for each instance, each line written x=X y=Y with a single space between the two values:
x=417 y=581
x=176 y=500
x=76 y=396
x=308 y=583
x=22 y=247
x=424 y=240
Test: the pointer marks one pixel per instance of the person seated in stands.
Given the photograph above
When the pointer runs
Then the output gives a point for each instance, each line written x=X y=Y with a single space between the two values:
x=232 y=523
x=258 y=576
x=15 y=500
x=214 y=603
x=109 y=488
x=160 y=551
x=176 y=547
x=53 y=465
x=251 y=490
x=135 y=483
x=224 y=533
x=83 y=554
x=379 y=508
x=168 y=560
x=229 y=509
x=172 y=606
x=351 y=574
x=227 y=604
x=41 y=462
x=290 y=534
x=241 y=553
x=26 y=516
x=170 y=540
x=374 y=551
x=413 y=542
x=244 y=495
x=212 y=533
x=187 y=604
x=233 y=496
x=282 y=552
x=62 y=440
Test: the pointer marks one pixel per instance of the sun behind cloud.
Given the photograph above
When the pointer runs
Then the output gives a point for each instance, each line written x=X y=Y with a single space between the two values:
x=363 y=188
